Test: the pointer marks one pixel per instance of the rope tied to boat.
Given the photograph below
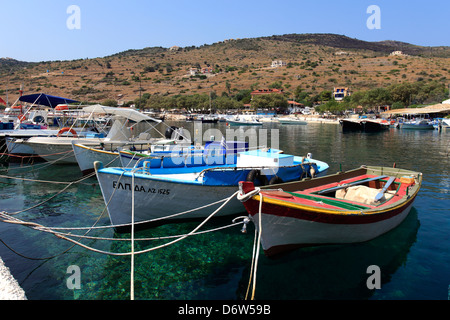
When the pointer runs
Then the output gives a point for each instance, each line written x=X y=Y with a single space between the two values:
x=245 y=196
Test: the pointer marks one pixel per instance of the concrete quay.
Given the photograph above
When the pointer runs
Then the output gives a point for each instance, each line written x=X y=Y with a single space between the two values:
x=9 y=287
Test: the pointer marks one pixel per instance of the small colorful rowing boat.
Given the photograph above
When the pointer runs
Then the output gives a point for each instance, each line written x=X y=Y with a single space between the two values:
x=346 y=207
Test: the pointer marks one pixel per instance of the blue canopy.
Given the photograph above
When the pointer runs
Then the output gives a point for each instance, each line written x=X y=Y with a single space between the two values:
x=45 y=100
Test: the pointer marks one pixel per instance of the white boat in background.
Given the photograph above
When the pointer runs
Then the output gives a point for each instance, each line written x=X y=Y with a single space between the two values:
x=19 y=123
x=59 y=149
x=417 y=124
x=291 y=120
x=243 y=121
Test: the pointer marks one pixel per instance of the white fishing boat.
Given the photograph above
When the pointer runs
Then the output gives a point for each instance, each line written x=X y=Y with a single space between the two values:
x=151 y=191
x=22 y=122
x=58 y=149
x=244 y=121
x=417 y=124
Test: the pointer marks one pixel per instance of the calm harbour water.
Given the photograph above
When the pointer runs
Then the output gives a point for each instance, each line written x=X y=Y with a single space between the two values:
x=414 y=258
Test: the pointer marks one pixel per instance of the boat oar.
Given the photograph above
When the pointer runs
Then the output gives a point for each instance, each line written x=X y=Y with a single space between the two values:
x=386 y=185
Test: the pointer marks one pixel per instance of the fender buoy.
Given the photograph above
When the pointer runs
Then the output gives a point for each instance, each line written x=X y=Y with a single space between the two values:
x=275 y=180
x=256 y=175
x=65 y=129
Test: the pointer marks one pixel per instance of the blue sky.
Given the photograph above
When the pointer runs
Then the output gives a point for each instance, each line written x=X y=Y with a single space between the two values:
x=32 y=30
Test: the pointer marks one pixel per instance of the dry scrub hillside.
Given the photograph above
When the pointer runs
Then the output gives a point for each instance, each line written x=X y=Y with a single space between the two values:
x=315 y=62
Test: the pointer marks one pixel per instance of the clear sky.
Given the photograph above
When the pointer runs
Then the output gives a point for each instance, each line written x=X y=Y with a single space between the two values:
x=37 y=30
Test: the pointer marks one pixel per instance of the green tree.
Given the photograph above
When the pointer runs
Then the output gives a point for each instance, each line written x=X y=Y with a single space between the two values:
x=326 y=95
x=109 y=103
x=244 y=96
x=273 y=100
x=224 y=103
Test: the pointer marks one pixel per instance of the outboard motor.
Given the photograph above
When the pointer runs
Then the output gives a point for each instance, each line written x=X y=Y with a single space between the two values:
x=169 y=132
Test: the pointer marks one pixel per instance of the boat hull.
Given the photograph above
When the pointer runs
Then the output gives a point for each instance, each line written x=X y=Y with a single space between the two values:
x=283 y=233
x=157 y=199
x=350 y=125
x=296 y=122
x=86 y=156
x=244 y=123
x=60 y=151
x=374 y=126
x=408 y=126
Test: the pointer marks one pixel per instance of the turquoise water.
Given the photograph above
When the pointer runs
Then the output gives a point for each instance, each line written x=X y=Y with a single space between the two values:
x=414 y=258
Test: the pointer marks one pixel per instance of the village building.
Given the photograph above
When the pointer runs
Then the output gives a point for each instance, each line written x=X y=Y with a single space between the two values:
x=339 y=93
x=397 y=53
x=278 y=63
x=195 y=71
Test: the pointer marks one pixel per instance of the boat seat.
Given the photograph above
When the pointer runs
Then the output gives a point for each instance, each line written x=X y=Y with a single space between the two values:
x=330 y=201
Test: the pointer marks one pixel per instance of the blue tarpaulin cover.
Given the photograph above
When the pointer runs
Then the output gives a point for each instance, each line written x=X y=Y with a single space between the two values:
x=45 y=99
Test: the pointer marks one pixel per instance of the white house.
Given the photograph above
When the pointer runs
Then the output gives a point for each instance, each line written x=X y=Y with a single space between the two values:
x=278 y=63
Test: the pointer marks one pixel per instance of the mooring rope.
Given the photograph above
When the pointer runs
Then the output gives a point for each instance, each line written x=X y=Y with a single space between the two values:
x=132 y=240
x=13 y=220
x=256 y=241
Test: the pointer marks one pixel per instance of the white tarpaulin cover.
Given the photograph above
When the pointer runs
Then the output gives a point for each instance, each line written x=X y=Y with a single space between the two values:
x=124 y=112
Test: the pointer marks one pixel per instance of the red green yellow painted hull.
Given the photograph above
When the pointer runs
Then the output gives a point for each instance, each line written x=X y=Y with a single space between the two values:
x=298 y=215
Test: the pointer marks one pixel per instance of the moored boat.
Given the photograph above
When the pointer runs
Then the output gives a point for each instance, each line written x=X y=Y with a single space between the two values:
x=59 y=149
x=417 y=124
x=292 y=121
x=364 y=125
x=374 y=125
x=237 y=121
x=348 y=207
x=109 y=152
x=350 y=125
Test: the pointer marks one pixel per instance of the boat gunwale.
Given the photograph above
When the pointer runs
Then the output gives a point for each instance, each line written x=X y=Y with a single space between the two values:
x=96 y=150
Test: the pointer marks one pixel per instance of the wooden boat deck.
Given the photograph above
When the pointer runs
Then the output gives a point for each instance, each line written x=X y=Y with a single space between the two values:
x=310 y=197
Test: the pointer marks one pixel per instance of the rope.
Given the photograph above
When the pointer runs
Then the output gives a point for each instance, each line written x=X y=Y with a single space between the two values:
x=40 y=227
x=257 y=247
x=245 y=197
x=132 y=241
x=126 y=239
x=256 y=241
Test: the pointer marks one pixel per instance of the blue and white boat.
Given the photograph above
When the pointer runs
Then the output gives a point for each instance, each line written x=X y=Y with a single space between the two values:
x=162 y=190
x=418 y=124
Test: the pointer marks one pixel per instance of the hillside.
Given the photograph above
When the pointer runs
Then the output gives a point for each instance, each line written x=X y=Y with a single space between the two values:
x=315 y=62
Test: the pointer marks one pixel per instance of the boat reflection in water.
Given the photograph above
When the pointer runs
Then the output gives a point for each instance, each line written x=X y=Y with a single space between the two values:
x=343 y=268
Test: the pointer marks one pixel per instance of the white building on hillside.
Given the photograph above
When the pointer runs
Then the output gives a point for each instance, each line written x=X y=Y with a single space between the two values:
x=278 y=63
